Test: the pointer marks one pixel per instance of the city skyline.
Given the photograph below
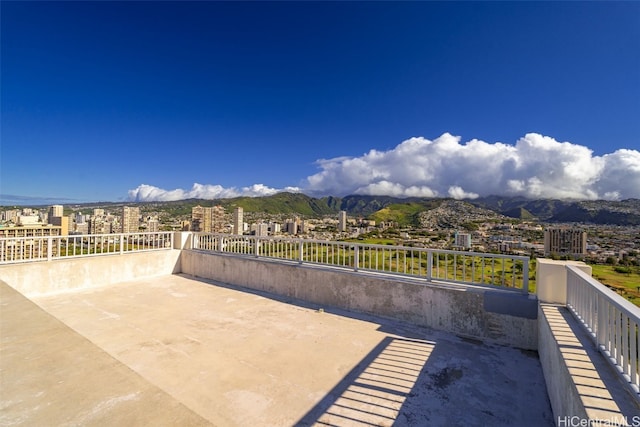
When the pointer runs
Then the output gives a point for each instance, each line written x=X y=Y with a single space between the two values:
x=143 y=101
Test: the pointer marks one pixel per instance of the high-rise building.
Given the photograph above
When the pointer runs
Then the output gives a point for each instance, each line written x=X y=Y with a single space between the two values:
x=565 y=240
x=31 y=230
x=64 y=222
x=291 y=227
x=217 y=219
x=81 y=228
x=153 y=225
x=130 y=219
x=55 y=218
x=55 y=211
x=274 y=227
x=98 y=225
x=342 y=221
x=207 y=219
x=462 y=240
x=207 y=216
x=10 y=215
x=197 y=218
x=238 y=220
x=262 y=229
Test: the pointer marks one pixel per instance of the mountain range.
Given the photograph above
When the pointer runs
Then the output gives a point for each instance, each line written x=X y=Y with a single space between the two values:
x=409 y=211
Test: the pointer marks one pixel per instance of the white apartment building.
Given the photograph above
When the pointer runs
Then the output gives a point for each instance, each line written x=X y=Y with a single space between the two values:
x=238 y=220
x=342 y=221
x=130 y=219
x=462 y=240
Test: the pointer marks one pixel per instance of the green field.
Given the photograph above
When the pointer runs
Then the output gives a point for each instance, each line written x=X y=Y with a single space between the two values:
x=625 y=284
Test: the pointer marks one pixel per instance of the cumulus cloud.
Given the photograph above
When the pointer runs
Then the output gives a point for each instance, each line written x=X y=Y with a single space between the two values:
x=458 y=193
x=149 y=193
x=536 y=166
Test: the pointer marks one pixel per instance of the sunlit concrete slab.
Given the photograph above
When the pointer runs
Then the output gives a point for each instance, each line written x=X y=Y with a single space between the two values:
x=52 y=376
x=232 y=357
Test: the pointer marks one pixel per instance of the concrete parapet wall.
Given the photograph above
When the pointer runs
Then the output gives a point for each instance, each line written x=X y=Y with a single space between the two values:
x=46 y=277
x=563 y=394
x=493 y=315
x=551 y=279
x=583 y=389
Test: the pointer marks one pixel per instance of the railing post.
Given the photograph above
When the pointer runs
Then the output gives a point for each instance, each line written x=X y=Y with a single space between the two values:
x=601 y=312
x=525 y=276
x=429 y=265
x=49 y=248
x=256 y=250
x=121 y=244
x=356 y=261
x=300 y=255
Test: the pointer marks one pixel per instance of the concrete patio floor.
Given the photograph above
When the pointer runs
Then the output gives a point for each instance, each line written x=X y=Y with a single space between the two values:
x=175 y=350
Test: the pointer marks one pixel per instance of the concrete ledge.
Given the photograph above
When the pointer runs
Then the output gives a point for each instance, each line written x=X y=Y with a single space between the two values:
x=583 y=388
x=60 y=275
x=481 y=313
x=551 y=279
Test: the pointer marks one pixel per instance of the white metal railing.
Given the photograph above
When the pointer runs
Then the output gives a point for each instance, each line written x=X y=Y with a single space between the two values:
x=612 y=321
x=27 y=249
x=443 y=265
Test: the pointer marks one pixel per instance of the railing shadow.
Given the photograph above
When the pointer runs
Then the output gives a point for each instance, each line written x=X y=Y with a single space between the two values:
x=416 y=376
x=595 y=379
x=374 y=392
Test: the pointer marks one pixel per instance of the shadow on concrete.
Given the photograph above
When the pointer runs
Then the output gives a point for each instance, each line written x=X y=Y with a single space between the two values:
x=603 y=393
x=374 y=392
x=417 y=376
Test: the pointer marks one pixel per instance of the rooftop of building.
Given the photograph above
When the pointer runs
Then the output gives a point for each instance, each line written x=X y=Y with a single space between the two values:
x=174 y=350
x=200 y=329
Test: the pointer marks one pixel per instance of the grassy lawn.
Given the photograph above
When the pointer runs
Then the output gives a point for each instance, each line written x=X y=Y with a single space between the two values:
x=627 y=285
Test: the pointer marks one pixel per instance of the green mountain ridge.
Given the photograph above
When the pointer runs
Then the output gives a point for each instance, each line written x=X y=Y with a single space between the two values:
x=407 y=211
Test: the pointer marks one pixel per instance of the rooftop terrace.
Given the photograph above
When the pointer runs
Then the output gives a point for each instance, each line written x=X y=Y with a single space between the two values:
x=161 y=337
x=178 y=351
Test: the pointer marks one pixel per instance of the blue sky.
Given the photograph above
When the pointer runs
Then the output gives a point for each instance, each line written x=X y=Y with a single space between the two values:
x=109 y=101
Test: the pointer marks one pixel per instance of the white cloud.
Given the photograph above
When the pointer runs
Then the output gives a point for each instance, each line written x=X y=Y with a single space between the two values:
x=458 y=193
x=536 y=166
x=621 y=179
x=149 y=193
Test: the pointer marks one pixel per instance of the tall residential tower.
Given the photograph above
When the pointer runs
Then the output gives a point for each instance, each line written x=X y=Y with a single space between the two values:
x=238 y=220
x=130 y=219
x=566 y=241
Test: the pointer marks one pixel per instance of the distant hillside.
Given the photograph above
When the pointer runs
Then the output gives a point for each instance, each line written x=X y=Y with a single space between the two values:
x=410 y=211
x=367 y=205
x=287 y=203
x=405 y=214
x=626 y=212
x=456 y=214
x=519 y=213
x=542 y=209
